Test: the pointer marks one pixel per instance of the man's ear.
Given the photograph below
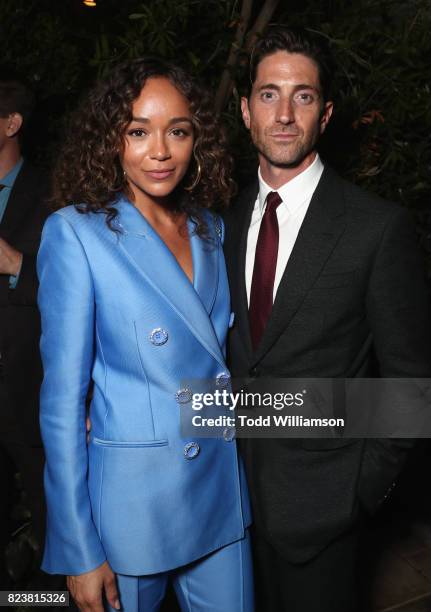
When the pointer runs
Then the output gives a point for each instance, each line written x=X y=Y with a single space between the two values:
x=326 y=115
x=14 y=123
x=245 y=112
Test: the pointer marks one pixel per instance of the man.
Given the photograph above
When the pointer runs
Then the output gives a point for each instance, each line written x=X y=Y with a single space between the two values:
x=326 y=280
x=22 y=213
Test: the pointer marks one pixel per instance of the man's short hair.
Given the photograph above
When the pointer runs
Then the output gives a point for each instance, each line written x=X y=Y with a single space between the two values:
x=15 y=97
x=295 y=40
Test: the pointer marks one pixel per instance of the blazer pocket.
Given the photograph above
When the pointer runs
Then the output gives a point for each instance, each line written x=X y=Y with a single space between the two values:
x=332 y=281
x=121 y=444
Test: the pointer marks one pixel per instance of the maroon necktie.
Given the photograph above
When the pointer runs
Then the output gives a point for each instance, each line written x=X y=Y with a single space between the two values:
x=265 y=263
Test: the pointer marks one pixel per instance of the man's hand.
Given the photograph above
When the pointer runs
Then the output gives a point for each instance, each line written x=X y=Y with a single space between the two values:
x=10 y=259
x=87 y=589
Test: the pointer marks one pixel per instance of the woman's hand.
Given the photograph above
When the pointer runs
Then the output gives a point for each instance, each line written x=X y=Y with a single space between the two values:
x=87 y=589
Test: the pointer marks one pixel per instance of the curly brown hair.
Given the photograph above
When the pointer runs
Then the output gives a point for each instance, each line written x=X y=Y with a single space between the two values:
x=88 y=172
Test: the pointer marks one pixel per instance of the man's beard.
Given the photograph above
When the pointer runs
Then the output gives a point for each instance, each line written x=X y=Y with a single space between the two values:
x=289 y=155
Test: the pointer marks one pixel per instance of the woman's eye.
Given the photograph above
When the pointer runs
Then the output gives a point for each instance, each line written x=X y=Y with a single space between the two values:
x=137 y=132
x=179 y=132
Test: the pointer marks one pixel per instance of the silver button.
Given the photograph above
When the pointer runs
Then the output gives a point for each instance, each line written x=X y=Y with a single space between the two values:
x=191 y=450
x=229 y=433
x=159 y=336
x=222 y=380
x=183 y=395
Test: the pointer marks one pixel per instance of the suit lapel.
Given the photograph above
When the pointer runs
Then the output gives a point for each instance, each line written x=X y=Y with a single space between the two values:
x=238 y=254
x=20 y=202
x=322 y=227
x=205 y=264
x=157 y=264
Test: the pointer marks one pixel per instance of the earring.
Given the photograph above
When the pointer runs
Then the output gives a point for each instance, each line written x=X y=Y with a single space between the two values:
x=197 y=177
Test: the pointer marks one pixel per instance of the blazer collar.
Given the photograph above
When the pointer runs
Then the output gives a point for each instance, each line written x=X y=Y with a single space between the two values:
x=242 y=219
x=150 y=255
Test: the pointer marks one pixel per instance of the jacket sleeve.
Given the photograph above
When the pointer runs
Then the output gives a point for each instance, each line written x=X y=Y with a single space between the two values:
x=66 y=302
x=398 y=309
x=23 y=291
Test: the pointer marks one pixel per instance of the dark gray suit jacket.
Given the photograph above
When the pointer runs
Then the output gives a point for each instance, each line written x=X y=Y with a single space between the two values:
x=353 y=302
x=21 y=227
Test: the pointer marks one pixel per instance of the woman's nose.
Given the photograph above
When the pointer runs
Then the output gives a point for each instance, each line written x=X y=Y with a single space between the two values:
x=159 y=148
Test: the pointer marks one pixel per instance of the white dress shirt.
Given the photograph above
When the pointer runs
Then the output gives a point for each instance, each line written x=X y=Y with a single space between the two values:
x=296 y=196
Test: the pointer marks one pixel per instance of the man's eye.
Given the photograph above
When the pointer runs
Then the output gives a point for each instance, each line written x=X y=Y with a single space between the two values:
x=304 y=98
x=267 y=95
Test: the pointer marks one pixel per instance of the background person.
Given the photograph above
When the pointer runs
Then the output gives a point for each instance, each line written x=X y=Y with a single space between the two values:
x=23 y=190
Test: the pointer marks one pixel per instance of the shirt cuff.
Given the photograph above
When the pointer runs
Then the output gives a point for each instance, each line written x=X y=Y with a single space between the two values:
x=13 y=280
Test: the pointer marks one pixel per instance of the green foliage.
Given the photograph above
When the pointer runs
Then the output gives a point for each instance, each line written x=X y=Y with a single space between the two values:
x=192 y=32
x=380 y=132
x=36 y=43
x=381 y=50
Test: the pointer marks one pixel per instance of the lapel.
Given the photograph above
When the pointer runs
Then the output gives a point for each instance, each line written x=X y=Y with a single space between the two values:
x=238 y=255
x=322 y=227
x=153 y=259
x=20 y=202
x=205 y=264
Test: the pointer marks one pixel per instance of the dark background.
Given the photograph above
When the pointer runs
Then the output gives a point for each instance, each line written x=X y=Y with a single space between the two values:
x=379 y=135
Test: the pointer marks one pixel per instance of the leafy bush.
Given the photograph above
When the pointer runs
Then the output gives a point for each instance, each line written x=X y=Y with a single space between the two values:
x=379 y=135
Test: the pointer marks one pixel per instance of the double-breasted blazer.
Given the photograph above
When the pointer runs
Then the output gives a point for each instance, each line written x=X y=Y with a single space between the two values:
x=118 y=310
x=353 y=302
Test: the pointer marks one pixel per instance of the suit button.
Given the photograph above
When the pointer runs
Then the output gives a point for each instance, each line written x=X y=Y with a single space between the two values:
x=229 y=433
x=183 y=395
x=158 y=336
x=222 y=380
x=191 y=450
x=255 y=372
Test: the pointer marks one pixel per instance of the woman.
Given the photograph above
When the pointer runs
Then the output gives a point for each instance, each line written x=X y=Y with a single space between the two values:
x=134 y=297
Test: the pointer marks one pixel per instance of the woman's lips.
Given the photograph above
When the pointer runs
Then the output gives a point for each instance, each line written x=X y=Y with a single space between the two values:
x=159 y=175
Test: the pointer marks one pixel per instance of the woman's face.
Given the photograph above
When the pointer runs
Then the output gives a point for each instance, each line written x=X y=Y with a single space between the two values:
x=158 y=142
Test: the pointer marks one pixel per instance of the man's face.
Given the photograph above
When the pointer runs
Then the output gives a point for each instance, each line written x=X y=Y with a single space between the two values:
x=285 y=112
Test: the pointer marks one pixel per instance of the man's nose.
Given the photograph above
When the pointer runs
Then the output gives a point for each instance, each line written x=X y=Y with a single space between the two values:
x=285 y=111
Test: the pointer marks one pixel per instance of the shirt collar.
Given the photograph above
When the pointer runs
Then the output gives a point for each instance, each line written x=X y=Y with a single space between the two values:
x=9 y=179
x=295 y=192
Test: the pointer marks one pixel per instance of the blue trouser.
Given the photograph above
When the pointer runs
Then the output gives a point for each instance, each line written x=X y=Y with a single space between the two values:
x=220 y=582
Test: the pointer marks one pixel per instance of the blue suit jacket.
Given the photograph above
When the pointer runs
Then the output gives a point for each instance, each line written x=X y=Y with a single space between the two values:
x=131 y=495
